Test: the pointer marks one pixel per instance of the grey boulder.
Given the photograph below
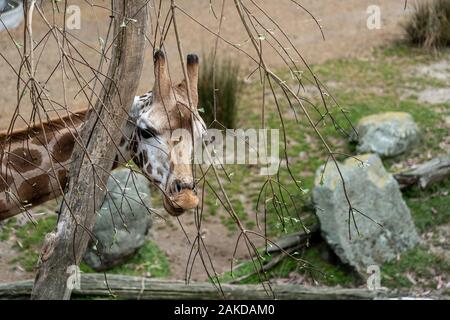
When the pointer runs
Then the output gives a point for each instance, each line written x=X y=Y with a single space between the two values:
x=386 y=134
x=375 y=193
x=11 y=14
x=122 y=222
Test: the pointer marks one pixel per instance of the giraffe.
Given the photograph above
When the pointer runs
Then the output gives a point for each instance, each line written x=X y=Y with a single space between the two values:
x=34 y=160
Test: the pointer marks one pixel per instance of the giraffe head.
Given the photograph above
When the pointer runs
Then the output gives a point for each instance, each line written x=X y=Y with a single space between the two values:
x=164 y=136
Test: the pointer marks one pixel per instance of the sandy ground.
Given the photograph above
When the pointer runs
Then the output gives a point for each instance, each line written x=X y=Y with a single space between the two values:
x=343 y=23
x=218 y=240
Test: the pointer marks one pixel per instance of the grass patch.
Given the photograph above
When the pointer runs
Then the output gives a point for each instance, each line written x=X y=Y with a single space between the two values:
x=30 y=238
x=316 y=269
x=149 y=261
x=6 y=229
x=429 y=208
x=418 y=263
x=325 y=272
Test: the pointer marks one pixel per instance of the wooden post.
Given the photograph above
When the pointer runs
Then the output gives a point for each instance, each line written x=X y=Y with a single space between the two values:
x=93 y=158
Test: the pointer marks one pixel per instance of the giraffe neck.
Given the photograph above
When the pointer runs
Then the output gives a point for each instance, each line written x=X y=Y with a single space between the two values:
x=34 y=161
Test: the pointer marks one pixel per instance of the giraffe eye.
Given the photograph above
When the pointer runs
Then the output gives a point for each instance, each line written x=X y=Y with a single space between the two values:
x=147 y=133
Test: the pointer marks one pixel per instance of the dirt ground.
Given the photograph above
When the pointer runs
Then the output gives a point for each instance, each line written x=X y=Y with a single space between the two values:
x=343 y=23
x=219 y=241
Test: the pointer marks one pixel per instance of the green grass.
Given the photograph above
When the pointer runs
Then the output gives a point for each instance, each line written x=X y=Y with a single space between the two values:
x=430 y=207
x=325 y=272
x=29 y=241
x=149 y=261
x=6 y=229
x=310 y=265
x=419 y=263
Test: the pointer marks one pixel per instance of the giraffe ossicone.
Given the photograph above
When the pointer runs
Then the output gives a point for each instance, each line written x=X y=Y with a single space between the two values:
x=34 y=161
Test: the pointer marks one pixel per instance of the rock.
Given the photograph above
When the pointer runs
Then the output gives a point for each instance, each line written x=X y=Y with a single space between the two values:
x=122 y=223
x=374 y=192
x=438 y=70
x=435 y=95
x=11 y=12
x=386 y=134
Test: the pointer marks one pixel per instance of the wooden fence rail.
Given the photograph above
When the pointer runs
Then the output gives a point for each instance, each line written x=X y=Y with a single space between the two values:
x=129 y=287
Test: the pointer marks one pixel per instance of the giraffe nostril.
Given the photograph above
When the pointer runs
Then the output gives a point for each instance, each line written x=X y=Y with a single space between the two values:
x=178 y=186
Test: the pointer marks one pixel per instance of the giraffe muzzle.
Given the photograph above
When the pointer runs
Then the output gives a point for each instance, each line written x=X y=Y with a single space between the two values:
x=179 y=202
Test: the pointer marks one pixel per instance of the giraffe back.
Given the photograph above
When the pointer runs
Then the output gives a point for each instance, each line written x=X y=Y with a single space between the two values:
x=33 y=162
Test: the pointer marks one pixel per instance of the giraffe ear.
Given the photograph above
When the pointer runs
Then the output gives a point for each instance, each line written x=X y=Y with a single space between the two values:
x=192 y=73
x=162 y=87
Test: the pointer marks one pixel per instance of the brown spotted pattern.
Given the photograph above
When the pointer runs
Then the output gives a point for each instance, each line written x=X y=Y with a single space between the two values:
x=34 y=187
x=63 y=147
x=5 y=181
x=24 y=159
x=27 y=172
